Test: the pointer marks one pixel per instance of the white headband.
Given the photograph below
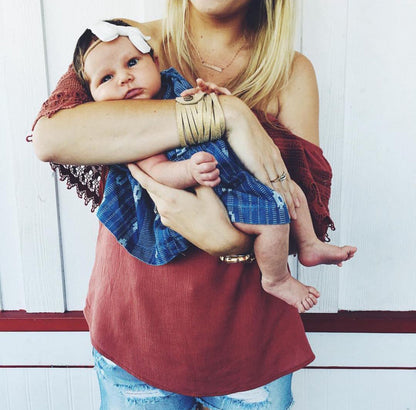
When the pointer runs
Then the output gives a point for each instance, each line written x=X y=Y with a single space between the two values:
x=107 y=32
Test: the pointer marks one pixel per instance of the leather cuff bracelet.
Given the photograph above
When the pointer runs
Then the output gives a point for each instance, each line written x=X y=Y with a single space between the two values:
x=200 y=118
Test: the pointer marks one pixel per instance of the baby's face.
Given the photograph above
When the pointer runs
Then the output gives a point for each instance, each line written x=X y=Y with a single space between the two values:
x=116 y=70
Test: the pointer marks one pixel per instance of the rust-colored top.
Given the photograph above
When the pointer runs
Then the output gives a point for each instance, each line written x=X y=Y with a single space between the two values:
x=195 y=326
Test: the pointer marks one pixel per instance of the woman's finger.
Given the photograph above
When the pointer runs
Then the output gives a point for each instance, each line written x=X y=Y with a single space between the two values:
x=282 y=188
x=293 y=192
x=289 y=198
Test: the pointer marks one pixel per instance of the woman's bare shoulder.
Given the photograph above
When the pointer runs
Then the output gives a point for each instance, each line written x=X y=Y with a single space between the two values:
x=299 y=101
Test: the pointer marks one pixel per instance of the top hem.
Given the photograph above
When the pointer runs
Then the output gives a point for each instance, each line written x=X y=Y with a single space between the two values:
x=195 y=393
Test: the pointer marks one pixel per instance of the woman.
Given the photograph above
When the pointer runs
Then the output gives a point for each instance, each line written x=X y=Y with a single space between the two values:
x=195 y=330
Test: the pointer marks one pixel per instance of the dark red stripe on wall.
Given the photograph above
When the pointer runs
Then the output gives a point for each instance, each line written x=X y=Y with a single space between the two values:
x=361 y=322
x=341 y=322
x=21 y=321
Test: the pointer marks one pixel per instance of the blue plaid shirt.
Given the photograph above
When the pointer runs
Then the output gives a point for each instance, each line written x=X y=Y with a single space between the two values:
x=130 y=215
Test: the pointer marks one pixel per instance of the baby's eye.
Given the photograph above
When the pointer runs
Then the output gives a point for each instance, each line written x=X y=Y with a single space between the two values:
x=132 y=62
x=106 y=78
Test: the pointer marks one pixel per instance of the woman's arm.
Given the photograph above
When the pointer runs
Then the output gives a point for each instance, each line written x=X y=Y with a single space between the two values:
x=107 y=132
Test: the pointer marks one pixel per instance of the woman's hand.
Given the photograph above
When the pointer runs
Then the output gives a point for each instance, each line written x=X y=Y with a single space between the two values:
x=200 y=217
x=257 y=151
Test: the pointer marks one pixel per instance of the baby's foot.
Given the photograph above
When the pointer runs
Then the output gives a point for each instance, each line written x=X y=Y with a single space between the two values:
x=293 y=292
x=317 y=253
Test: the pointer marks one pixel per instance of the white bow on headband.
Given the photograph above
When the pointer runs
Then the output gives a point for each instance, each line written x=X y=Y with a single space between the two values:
x=108 y=32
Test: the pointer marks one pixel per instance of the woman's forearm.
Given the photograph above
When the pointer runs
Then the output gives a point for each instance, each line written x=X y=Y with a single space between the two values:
x=107 y=132
x=114 y=132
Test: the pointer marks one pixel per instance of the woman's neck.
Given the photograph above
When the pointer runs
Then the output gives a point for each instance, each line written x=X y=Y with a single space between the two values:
x=219 y=44
x=216 y=32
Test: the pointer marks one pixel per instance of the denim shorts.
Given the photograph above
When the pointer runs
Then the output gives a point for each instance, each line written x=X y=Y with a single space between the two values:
x=120 y=390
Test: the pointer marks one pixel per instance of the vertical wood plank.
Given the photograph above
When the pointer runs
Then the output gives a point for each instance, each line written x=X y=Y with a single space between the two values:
x=59 y=389
x=16 y=384
x=4 y=391
x=379 y=157
x=49 y=389
x=33 y=181
x=322 y=389
x=324 y=27
x=11 y=276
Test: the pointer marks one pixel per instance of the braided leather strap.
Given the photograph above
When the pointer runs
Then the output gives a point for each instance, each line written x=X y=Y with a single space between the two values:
x=200 y=118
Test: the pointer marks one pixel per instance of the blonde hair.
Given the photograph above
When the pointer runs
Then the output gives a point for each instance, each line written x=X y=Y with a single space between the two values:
x=270 y=30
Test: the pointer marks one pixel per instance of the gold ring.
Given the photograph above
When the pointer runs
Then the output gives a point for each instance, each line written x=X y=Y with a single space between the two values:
x=274 y=180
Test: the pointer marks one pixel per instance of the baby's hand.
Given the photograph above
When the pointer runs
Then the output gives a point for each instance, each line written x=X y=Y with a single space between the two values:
x=203 y=168
x=206 y=87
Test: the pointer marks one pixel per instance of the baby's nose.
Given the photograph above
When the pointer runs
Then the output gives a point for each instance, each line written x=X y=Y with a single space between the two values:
x=125 y=77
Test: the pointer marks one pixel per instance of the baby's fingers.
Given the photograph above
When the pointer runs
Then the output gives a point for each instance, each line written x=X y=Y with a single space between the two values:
x=190 y=91
x=203 y=156
x=209 y=87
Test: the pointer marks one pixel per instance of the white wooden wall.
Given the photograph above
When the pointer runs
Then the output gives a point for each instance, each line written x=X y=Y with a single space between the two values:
x=365 y=59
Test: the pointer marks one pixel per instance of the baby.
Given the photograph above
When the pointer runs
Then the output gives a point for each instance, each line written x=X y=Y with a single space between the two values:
x=114 y=62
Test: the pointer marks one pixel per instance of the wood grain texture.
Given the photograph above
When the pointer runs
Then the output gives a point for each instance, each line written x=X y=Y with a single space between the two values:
x=315 y=389
x=324 y=30
x=379 y=168
x=34 y=183
x=49 y=389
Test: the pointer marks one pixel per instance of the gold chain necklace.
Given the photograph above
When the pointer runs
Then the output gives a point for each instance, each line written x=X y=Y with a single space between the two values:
x=213 y=66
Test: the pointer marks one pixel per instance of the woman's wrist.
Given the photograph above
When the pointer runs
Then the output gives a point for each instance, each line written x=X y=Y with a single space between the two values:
x=235 y=112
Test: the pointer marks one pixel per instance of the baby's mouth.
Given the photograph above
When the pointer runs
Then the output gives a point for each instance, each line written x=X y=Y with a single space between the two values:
x=133 y=93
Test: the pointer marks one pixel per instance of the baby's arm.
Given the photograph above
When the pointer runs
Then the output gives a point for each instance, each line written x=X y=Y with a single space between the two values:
x=201 y=169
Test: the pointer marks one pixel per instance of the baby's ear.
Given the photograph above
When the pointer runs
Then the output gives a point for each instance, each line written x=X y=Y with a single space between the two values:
x=156 y=60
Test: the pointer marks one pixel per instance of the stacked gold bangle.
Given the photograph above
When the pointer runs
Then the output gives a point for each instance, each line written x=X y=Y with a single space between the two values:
x=244 y=258
x=200 y=118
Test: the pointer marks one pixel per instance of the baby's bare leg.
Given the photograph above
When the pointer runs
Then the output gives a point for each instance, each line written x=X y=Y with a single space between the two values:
x=312 y=251
x=271 y=250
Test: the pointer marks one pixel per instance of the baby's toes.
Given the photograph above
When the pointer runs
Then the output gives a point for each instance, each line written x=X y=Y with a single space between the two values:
x=312 y=299
x=313 y=291
x=307 y=304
